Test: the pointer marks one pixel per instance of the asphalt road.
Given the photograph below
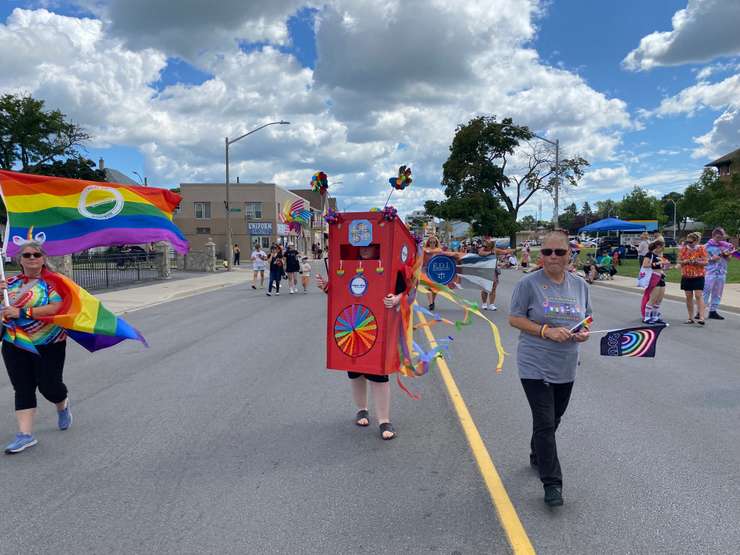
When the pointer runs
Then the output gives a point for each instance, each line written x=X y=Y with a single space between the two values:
x=229 y=436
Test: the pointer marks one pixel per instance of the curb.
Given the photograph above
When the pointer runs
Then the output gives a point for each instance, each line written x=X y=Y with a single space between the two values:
x=671 y=296
x=177 y=296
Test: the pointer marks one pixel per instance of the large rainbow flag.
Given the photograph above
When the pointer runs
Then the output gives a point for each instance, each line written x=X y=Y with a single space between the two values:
x=71 y=215
x=83 y=316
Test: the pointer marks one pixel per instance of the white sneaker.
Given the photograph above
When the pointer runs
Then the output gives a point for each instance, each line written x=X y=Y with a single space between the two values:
x=492 y=307
x=269 y=294
x=484 y=306
x=291 y=291
x=277 y=292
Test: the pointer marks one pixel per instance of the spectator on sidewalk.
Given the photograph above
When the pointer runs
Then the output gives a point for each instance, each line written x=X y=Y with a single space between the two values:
x=545 y=306
x=642 y=248
x=259 y=264
x=719 y=251
x=693 y=258
x=30 y=295
x=292 y=267
x=275 y=260
x=237 y=255
x=431 y=248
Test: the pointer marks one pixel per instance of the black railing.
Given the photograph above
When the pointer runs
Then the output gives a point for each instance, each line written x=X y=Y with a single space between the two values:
x=103 y=271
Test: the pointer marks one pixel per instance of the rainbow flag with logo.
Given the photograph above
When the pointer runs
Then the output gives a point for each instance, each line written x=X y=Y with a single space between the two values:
x=71 y=215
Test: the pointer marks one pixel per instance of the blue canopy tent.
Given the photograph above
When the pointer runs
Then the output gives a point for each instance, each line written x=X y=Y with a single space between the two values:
x=611 y=224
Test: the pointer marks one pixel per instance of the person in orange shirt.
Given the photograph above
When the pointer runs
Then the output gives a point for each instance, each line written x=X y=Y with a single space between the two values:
x=693 y=258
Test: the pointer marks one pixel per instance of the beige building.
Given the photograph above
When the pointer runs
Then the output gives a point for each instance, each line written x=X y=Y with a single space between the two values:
x=255 y=216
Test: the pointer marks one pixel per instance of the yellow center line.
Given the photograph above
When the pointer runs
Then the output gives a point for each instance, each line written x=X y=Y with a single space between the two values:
x=507 y=515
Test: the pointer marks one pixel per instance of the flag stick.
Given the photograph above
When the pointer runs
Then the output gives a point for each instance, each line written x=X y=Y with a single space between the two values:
x=389 y=197
x=6 y=300
x=620 y=329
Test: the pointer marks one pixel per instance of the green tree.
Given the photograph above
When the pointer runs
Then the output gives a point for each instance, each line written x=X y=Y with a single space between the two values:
x=477 y=168
x=639 y=205
x=680 y=211
x=567 y=219
x=714 y=202
x=482 y=211
x=607 y=209
x=76 y=167
x=528 y=222
x=31 y=136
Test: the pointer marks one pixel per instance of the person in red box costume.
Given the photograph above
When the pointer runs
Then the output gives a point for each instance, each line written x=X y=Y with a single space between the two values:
x=380 y=384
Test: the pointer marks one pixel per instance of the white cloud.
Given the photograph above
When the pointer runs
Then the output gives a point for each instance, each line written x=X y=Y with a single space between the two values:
x=704 y=30
x=389 y=73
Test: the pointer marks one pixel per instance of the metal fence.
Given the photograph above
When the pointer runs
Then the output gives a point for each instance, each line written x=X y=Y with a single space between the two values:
x=103 y=271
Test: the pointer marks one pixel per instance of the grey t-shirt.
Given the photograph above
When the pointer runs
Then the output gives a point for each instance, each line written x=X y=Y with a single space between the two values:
x=543 y=301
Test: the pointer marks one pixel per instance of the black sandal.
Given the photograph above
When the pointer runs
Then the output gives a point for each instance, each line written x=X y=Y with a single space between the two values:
x=700 y=322
x=360 y=415
x=689 y=321
x=387 y=427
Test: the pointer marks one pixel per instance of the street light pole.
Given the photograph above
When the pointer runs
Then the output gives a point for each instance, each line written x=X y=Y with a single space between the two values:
x=227 y=142
x=675 y=223
x=556 y=195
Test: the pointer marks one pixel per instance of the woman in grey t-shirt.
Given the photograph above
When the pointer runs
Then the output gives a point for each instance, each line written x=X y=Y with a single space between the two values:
x=545 y=306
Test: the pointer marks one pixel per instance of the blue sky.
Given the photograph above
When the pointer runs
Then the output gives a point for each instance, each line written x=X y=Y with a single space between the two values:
x=172 y=85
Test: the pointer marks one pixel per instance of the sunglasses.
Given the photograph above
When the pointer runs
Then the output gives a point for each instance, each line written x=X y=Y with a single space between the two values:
x=558 y=252
x=32 y=255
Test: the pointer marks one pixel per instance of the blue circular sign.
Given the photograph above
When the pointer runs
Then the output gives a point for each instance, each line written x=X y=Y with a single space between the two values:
x=441 y=269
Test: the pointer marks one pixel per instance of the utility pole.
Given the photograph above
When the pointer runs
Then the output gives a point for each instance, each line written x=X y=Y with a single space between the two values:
x=556 y=189
x=229 y=245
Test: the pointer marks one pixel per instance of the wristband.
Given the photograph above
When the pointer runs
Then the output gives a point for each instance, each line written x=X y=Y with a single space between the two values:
x=22 y=313
x=28 y=311
x=543 y=329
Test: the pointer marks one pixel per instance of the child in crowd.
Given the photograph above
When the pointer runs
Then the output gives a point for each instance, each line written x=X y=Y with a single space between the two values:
x=305 y=273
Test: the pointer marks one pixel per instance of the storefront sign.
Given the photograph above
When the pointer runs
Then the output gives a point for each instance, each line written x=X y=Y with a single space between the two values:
x=260 y=228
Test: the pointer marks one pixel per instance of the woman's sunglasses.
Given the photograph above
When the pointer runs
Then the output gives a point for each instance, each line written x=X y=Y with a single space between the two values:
x=558 y=252
x=32 y=255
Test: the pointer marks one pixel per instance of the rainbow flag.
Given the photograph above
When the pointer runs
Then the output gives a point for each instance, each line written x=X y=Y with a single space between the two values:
x=18 y=337
x=71 y=215
x=631 y=342
x=83 y=316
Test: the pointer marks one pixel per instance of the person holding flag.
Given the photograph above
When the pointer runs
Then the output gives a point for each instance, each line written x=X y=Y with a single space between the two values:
x=30 y=297
x=552 y=310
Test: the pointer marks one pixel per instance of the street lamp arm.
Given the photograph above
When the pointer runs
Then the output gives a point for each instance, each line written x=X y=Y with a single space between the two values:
x=553 y=143
x=281 y=122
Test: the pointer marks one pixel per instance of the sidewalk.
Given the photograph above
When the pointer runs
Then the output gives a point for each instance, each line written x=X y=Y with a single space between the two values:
x=138 y=297
x=122 y=301
x=730 y=297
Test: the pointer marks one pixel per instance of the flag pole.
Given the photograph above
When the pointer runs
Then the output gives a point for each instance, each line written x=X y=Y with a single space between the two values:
x=620 y=329
x=6 y=300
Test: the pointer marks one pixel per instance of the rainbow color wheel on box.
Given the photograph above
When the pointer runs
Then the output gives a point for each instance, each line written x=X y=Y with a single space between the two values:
x=355 y=330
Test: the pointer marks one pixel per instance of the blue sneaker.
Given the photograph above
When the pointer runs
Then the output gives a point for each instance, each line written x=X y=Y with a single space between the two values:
x=21 y=443
x=65 y=417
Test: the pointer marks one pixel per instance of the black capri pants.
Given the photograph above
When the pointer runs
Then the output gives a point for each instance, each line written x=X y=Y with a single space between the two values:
x=28 y=371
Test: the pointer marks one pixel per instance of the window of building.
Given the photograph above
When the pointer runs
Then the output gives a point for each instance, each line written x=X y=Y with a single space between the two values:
x=253 y=210
x=203 y=230
x=265 y=242
x=202 y=210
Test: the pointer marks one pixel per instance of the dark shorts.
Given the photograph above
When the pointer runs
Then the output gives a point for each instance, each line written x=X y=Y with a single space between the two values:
x=368 y=377
x=692 y=284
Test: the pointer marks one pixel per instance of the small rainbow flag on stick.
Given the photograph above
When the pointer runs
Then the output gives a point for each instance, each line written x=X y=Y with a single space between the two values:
x=631 y=342
x=71 y=215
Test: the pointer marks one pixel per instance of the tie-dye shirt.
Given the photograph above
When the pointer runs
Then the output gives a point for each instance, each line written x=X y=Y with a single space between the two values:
x=690 y=268
x=717 y=248
x=30 y=295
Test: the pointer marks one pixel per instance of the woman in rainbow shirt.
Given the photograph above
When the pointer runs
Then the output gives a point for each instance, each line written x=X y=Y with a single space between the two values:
x=31 y=296
x=692 y=257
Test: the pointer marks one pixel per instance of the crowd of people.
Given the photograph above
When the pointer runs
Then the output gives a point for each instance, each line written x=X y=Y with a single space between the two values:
x=280 y=264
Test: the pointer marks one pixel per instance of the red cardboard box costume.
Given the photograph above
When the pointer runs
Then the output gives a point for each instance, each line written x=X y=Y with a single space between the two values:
x=367 y=252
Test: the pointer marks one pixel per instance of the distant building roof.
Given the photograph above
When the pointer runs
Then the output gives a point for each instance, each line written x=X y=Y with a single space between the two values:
x=727 y=158
x=114 y=176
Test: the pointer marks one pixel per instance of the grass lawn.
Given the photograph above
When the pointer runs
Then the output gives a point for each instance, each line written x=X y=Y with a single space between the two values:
x=629 y=268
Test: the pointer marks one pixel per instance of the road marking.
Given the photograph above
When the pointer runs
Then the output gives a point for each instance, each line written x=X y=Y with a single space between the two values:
x=507 y=515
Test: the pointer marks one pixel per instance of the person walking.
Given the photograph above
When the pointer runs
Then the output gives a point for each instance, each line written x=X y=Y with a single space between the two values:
x=431 y=248
x=275 y=260
x=642 y=247
x=546 y=306
x=292 y=267
x=305 y=274
x=237 y=255
x=693 y=258
x=655 y=291
x=31 y=296
x=488 y=298
x=259 y=258
x=526 y=254
x=719 y=251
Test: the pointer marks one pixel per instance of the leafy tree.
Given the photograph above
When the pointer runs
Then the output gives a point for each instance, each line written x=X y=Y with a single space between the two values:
x=607 y=209
x=482 y=211
x=477 y=168
x=567 y=219
x=76 y=168
x=528 y=222
x=681 y=212
x=639 y=205
x=714 y=202
x=31 y=136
